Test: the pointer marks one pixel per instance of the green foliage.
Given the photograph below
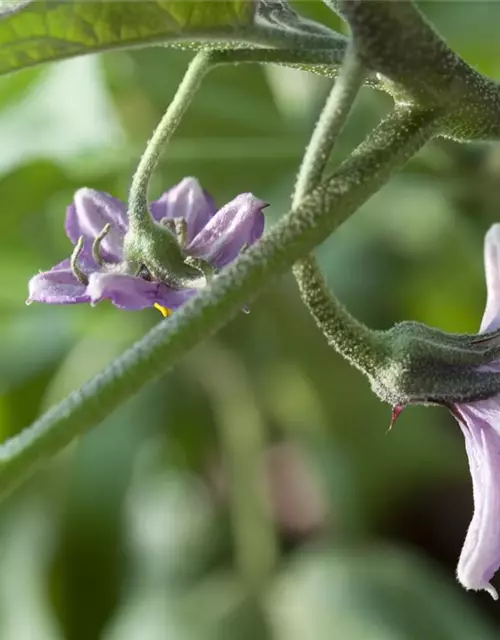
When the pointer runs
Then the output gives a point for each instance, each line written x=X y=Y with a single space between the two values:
x=45 y=31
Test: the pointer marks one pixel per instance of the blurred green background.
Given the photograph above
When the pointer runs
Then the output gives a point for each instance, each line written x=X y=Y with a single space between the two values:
x=253 y=492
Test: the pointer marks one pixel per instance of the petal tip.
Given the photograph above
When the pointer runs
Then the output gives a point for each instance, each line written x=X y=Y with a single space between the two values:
x=492 y=591
x=484 y=586
x=86 y=192
x=493 y=230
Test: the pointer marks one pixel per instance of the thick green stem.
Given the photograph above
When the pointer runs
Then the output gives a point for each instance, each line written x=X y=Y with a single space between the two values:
x=368 y=168
x=356 y=342
x=394 y=39
x=138 y=212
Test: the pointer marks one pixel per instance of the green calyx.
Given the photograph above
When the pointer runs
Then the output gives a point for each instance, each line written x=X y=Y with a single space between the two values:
x=159 y=249
x=425 y=365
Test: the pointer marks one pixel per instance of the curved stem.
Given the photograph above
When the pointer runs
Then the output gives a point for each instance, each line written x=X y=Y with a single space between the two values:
x=362 y=347
x=330 y=124
x=351 y=338
x=387 y=149
x=138 y=212
x=395 y=39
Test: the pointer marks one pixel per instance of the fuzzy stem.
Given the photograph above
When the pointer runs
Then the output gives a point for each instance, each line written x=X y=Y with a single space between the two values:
x=395 y=39
x=140 y=219
x=368 y=168
x=362 y=347
x=330 y=124
x=356 y=342
x=138 y=212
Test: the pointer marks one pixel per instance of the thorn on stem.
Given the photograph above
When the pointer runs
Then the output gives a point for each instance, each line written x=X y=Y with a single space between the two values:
x=397 y=410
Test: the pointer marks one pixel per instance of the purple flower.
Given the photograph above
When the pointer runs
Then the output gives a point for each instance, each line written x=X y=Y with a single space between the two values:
x=480 y=423
x=96 y=223
x=443 y=379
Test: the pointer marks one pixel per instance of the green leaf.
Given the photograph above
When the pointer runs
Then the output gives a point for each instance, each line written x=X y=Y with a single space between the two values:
x=40 y=31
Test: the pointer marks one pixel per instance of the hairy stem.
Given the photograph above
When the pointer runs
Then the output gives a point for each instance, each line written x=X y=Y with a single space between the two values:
x=368 y=168
x=330 y=124
x=356 y=342
x=362 y=347
x=324 y=62
x=138 y=212
x=396 y=40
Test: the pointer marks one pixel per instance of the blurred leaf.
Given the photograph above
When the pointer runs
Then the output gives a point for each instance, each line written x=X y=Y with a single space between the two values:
x=14 y=88
x=21 y=219
x=471 y=31
x=89 y=557
x=43 y=31
x=26 y=541
x=381 y=594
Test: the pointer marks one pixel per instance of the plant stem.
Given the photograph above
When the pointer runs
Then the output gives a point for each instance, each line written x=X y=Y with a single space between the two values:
x=395 y=39
x=362 y=347
x=138 y=212
x=243 y=437
x=331 y=122
x=368 y=168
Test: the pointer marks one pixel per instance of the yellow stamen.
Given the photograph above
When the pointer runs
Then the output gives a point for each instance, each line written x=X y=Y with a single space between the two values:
x=165 y=311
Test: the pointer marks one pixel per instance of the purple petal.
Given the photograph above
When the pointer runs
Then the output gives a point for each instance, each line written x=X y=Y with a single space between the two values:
x=186 y=200
x=129 y=292
x=238 y=223
x=491 y=317
x=89 y=213
x=480 y=557
x=57 y=286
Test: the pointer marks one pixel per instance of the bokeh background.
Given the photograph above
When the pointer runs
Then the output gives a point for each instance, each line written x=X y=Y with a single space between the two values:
x=253 y=492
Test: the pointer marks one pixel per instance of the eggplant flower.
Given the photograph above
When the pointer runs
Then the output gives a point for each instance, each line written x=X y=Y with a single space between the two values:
x=461 y=372
x=96 y=223
x=480 y=423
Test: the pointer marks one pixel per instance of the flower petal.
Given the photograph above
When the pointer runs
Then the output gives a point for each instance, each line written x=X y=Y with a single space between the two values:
x=491 y=317
x=129 y=292
x=57 y=286
x=480 y=556
x=89 y=213
x=238 y=223
x=186 y=200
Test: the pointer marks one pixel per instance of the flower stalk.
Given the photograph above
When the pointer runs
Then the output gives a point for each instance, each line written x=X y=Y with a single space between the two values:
x=140 y=219
x=363 y=348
